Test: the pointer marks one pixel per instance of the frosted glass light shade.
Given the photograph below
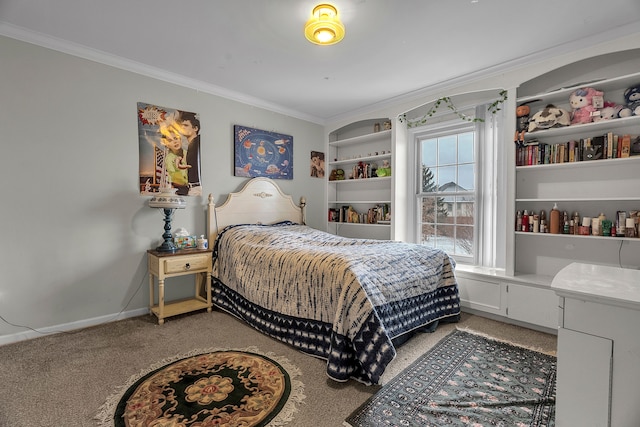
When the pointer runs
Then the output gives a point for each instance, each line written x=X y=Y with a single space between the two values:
x=324 y=26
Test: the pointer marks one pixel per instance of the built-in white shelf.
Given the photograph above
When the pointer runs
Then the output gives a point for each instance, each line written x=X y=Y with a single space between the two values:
x=361 y=139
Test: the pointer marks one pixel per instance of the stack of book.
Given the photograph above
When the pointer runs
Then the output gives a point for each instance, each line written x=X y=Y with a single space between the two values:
x=377 y=214
x=607 y=146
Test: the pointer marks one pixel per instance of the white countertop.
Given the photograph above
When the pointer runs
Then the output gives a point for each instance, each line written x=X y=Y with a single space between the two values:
x=599 y=283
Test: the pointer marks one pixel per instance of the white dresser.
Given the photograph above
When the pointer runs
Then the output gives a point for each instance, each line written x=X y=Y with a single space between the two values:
x=598 y=380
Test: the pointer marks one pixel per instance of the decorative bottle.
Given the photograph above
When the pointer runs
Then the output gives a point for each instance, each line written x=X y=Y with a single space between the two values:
x=531 y=221
x=554 y=220
x=601 y=218
x=576 y=223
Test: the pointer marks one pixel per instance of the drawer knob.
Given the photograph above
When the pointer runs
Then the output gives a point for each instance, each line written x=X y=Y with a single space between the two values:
x=187 y=266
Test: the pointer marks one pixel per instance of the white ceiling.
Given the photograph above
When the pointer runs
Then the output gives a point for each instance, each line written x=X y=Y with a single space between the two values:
x=255 y=50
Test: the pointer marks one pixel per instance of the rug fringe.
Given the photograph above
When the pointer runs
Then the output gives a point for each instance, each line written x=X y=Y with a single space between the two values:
x=296 y=397
x=493 y=338
x=106 y=412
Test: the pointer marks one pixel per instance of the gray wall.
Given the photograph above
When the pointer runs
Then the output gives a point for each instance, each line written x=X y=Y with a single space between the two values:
x=75 y=229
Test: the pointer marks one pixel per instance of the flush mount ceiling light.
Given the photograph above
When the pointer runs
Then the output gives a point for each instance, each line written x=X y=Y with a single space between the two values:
x=324 y=26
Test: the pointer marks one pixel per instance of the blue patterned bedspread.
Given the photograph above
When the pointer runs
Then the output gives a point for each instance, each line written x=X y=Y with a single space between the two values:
x=337 y=298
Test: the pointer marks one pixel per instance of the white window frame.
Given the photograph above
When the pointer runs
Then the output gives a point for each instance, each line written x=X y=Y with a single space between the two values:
x=486 y=172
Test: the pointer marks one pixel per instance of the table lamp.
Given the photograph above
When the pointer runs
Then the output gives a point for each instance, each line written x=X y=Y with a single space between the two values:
x=168 y=200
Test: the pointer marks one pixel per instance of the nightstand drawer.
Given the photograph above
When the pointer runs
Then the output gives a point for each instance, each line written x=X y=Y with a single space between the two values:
x=187 y=263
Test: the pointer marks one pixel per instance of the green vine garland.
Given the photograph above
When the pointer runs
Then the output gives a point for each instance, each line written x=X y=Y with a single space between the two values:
x=493 y=108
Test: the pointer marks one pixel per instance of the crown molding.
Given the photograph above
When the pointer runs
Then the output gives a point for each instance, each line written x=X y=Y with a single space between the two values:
x=84 y=52
x=393 y=104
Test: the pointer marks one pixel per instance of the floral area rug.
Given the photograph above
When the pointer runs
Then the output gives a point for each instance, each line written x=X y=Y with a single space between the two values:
x=467 y=380
x=208 y=388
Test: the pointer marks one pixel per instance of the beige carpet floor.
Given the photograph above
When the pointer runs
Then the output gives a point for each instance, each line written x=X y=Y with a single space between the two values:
x=62 y=380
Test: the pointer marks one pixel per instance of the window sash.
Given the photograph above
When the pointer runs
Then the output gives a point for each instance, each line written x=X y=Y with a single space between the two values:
x=448 y=239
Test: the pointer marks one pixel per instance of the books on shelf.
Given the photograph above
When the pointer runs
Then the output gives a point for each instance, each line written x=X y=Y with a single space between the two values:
x=379 y=214
x=608 y=146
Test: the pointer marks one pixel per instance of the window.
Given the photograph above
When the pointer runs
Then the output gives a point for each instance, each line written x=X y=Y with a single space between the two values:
x=456 y=167
x=447 y=190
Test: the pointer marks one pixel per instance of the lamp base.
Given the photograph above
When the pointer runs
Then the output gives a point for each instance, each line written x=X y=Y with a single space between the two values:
x=167 y=245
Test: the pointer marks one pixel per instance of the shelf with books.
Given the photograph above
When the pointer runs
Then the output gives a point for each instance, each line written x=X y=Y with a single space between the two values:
x=588 y=169
x=579 y=164
x=359 y=212
x=608 y=146
x=598 y=134
x=362 y=156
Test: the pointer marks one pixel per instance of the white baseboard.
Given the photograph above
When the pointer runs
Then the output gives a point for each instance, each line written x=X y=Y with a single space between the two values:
x=72 y=326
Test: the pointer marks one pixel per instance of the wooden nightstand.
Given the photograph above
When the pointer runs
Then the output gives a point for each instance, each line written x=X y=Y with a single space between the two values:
x=181 y=263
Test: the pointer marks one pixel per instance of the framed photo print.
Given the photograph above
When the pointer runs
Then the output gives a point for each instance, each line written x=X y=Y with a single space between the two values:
x=169 y=147
x=317 y=164
x=262 y=153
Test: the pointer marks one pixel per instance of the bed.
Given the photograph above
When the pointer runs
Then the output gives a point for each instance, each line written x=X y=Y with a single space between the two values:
x=348 y=301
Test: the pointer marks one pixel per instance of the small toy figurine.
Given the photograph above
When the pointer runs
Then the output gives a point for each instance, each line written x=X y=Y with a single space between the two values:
x=522 y=113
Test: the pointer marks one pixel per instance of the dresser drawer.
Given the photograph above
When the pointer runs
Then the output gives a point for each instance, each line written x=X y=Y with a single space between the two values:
x=182 y=264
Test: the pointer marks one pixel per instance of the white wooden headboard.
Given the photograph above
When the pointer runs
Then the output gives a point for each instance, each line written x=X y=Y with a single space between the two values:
x=260 y=201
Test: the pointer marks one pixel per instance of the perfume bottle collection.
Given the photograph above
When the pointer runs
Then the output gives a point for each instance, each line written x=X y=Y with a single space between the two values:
x=623 y=225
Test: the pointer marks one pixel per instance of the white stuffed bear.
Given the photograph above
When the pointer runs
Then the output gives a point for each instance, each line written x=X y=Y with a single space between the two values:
x=610 y=111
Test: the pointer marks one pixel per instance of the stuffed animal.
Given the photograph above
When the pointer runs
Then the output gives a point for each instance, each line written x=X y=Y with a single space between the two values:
x=584 y=102
x=632 y=99
x=610 y=111
x=549 y=117
x=385 y=170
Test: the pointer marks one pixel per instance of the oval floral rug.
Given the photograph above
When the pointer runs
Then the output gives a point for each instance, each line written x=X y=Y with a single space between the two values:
x=208 y=388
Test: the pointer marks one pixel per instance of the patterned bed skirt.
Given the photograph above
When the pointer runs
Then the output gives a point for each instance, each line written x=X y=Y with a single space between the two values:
x=366 y=356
